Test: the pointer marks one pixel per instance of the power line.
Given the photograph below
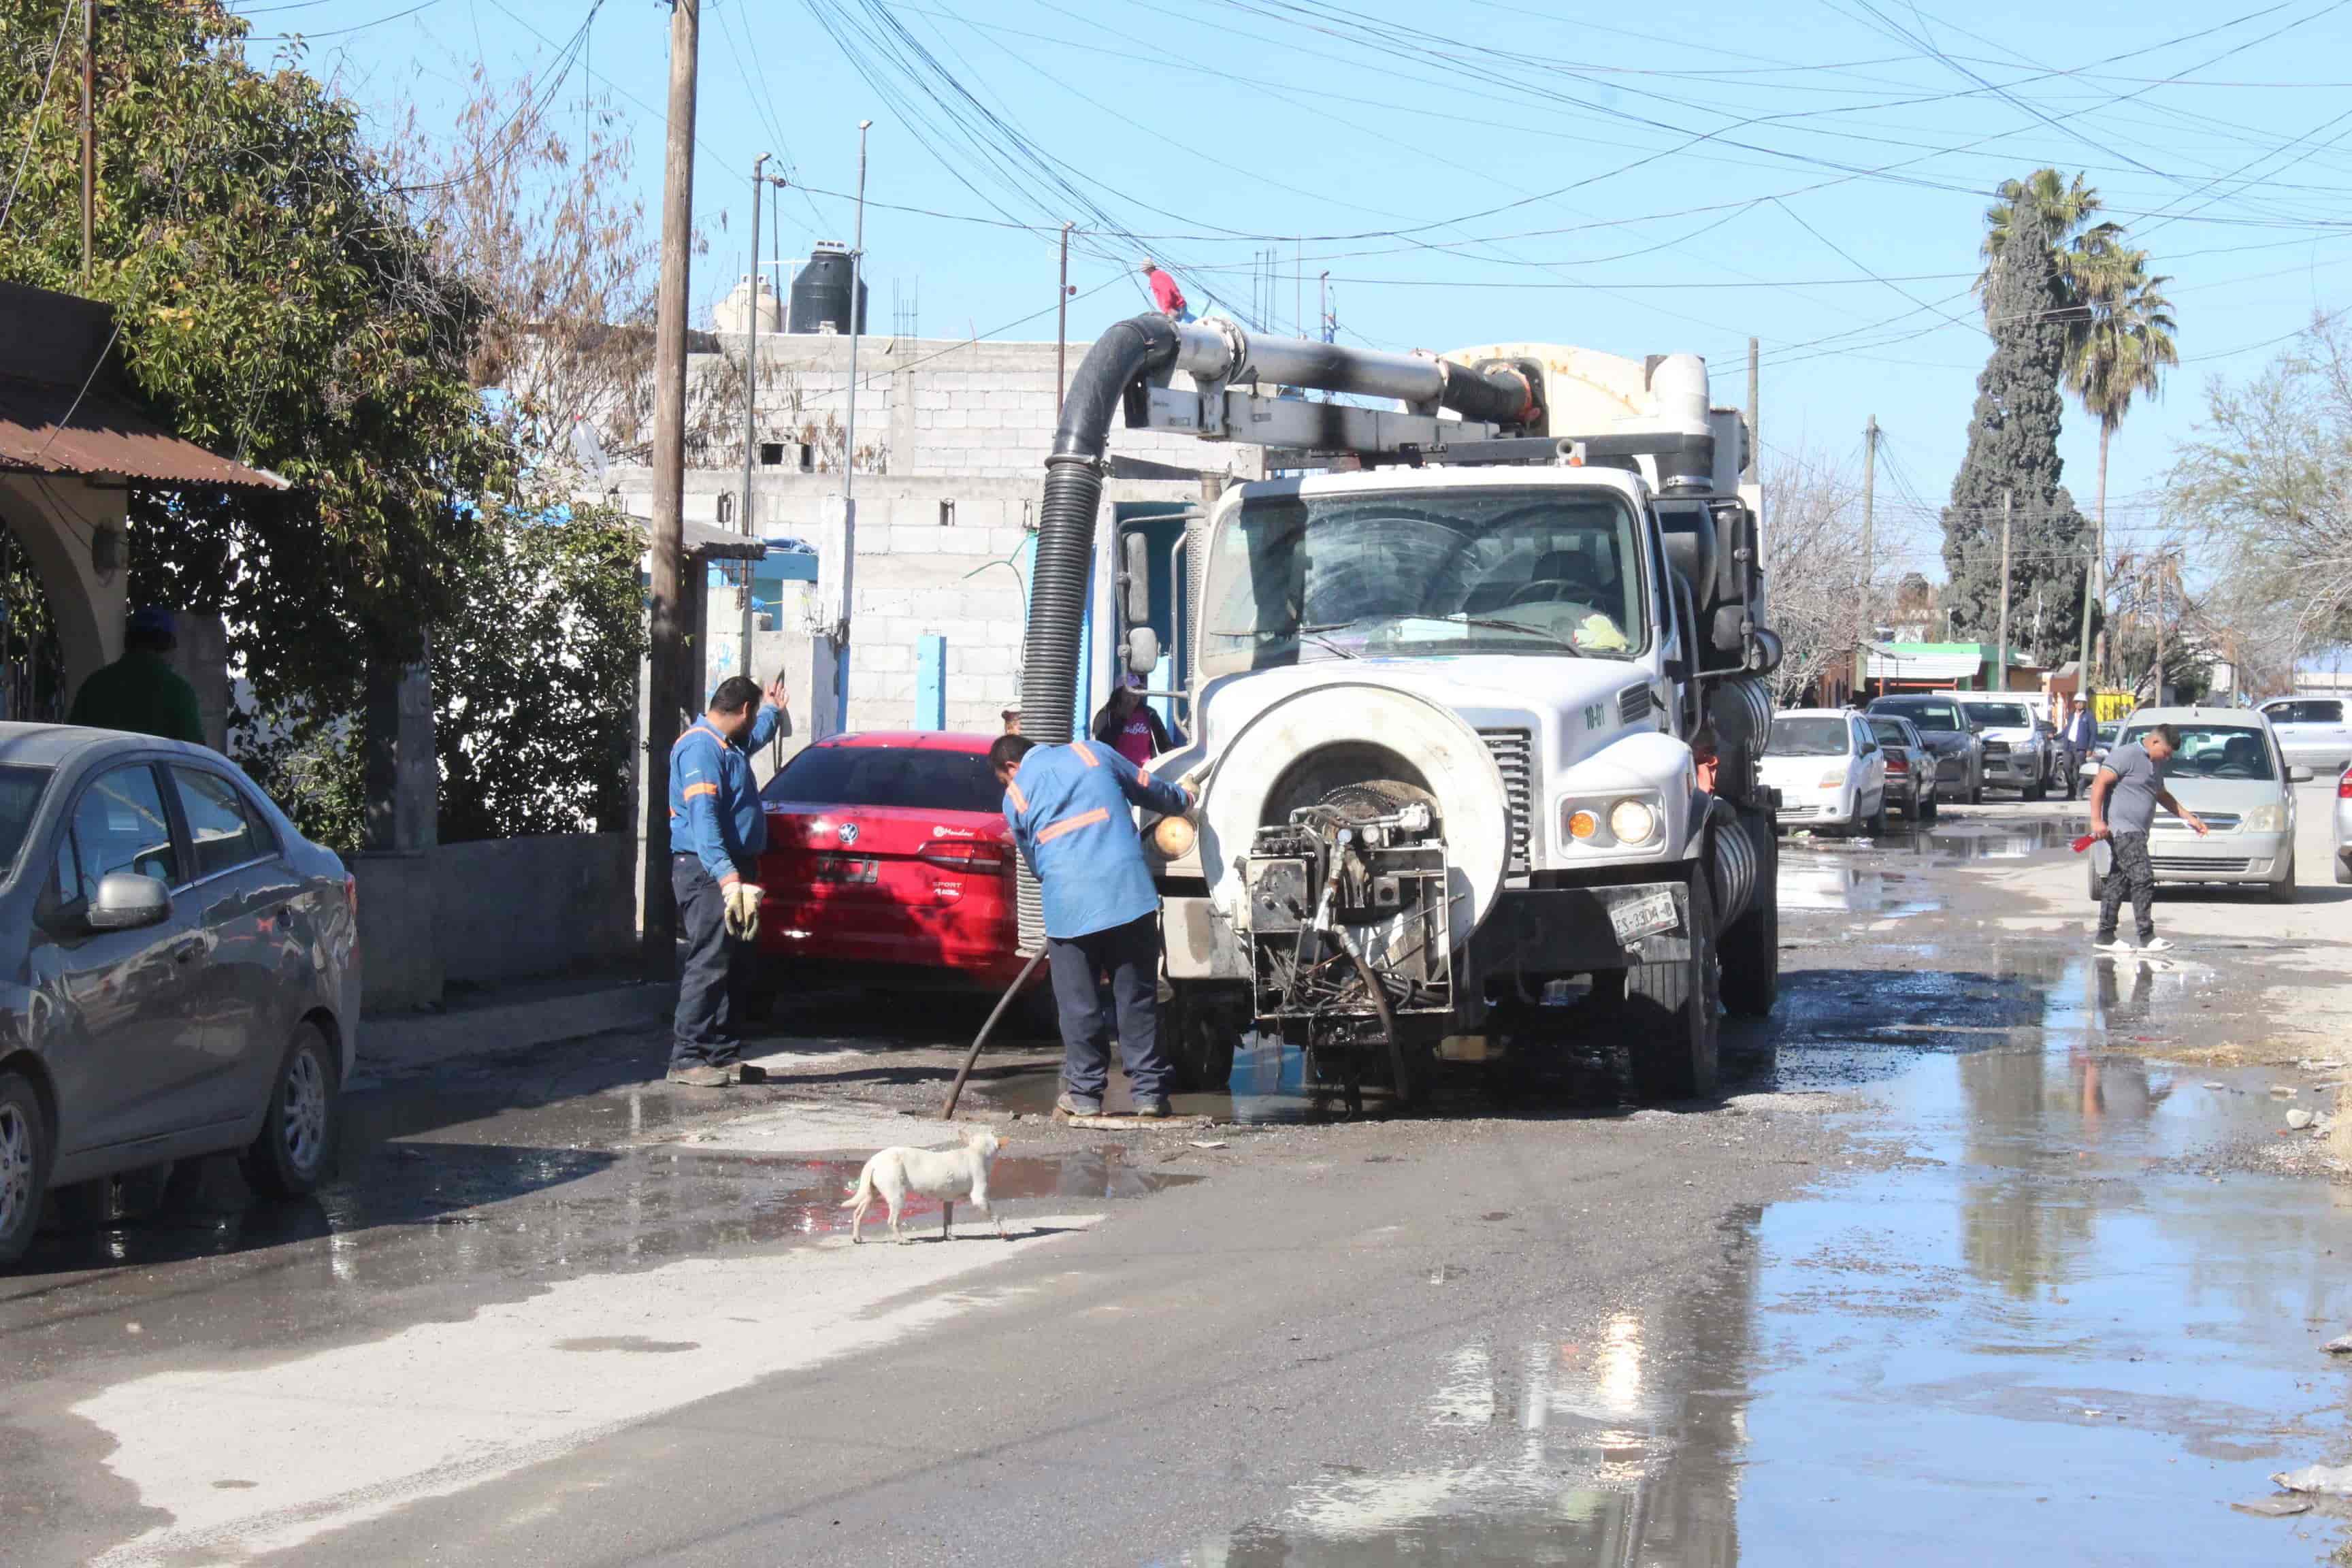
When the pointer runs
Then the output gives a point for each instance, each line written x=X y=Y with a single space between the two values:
x=33 y=121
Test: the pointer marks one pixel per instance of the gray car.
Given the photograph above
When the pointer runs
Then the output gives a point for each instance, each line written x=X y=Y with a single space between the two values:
x=1910 y=766
x=1948 y=737
x=179 y=971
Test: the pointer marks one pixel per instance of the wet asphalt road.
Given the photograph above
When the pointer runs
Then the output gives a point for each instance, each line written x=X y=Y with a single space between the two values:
x=1963 y=1269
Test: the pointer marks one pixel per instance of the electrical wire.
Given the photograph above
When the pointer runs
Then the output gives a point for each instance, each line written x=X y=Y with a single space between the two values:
x=33 y=121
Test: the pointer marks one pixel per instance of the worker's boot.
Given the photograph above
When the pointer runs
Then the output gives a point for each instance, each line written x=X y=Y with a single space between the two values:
x=701 y=1076
x=1076 y=1109
x=1154 y=1107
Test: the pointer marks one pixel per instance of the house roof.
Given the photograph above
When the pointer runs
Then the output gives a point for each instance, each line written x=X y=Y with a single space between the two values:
x=65 y=408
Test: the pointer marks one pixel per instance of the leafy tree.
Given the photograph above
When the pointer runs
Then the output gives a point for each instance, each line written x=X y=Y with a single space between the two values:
x=535 y=679
x=1812 y=564
x=2029 y=297
x=274 y=302
x=2120 y=345
x=2266 y=484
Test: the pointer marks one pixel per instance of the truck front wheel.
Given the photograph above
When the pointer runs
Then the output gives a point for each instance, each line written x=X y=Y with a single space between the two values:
x=1670 y=1009
x=1199 y=1026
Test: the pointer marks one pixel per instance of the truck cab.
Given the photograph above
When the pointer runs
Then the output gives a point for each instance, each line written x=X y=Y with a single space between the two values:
x=1443 y=705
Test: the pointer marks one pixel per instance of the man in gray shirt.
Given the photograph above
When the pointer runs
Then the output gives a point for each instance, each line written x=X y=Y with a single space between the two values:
x=2124 y=799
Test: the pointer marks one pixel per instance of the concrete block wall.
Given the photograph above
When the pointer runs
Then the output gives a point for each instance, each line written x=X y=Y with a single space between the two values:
x=434 y=918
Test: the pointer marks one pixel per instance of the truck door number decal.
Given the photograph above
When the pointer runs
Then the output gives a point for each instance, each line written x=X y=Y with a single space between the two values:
x=1593 y=715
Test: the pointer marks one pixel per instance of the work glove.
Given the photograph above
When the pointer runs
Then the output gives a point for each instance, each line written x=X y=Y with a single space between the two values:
x=743 y=909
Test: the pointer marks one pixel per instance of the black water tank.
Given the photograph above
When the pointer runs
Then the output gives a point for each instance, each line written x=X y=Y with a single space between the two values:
x=820 y=293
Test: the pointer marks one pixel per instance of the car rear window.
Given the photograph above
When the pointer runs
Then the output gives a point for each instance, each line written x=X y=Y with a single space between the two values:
x=1803 y=737
x=21 y=790
x=918 y=779
x=1889 y=731
x=1940 y=718
x=2003 y=715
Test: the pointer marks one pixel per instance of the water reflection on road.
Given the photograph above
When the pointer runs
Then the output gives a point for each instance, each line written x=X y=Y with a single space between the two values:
x=2045 y=1333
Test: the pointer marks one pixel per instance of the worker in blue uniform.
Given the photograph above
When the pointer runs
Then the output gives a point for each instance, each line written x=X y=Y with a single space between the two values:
x=717 y=832
x=1068 y=808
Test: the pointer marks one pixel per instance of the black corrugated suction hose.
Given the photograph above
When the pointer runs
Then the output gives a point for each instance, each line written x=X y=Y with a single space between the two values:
x=1065 y=519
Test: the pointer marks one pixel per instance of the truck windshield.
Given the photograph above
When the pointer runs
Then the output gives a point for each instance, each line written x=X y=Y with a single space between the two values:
x=1406 y=574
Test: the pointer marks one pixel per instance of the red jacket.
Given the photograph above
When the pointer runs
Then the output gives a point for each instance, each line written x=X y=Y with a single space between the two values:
x=1164 y=292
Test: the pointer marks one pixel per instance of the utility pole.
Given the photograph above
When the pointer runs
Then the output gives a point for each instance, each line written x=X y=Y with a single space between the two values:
x=751 y=400
x=1062 y=324
x=88 y=133
x=830 y=664
x=2092 y=598
x=1323 y=323
x=2001 y=651
x=2158 y=695
x=665 y=634
x=1869 y=507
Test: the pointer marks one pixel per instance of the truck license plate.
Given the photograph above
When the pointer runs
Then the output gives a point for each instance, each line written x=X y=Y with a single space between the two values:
x=1645 y=916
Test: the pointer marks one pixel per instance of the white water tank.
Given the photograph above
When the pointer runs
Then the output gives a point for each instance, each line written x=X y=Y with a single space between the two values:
x=734 y=314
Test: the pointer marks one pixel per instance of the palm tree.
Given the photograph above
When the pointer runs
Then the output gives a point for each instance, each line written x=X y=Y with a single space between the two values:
x=2058 y=211
x=2117 y=348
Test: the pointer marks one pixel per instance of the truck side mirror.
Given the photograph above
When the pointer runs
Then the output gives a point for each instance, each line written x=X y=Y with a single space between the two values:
x=1142 y=650
x=1135 y=577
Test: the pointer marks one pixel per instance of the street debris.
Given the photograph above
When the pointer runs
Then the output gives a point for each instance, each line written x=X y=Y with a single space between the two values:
x=2328 y=1480
x=1206 y=1142
x=2284 y=1090
x=2299 y=1118
x=2340 y=1345
x=2275 y=1507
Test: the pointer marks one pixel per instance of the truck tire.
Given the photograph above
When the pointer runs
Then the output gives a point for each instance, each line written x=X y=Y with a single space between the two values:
x=1200 y=1029
x=1751 y=947
x=1670 y=1007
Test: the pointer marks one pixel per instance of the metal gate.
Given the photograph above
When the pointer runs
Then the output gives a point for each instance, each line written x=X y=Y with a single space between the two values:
x=32 y=670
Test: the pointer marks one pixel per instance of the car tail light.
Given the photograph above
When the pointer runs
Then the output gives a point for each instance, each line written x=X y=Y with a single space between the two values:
x=2344 y=786
x=352 y=896
x=964 y=854
x=1897 y=763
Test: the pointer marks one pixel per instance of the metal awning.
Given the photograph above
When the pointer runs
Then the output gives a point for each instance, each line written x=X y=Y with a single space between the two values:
x=1887 y=664
x=705 y=541
x=43 y=430
x=67 y=408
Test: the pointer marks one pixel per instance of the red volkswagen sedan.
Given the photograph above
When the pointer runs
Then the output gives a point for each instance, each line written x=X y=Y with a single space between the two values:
x=888 y=863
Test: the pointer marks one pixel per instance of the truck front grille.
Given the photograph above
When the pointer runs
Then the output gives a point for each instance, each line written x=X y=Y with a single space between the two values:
x=1513 y=751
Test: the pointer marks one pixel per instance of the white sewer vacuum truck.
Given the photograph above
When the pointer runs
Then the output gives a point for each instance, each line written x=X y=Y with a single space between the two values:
x=1443 y=696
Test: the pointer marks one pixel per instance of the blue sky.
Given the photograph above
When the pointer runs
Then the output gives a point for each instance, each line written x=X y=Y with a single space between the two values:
x=1639 y=180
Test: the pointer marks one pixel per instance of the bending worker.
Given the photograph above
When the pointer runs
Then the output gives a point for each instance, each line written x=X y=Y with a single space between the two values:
x=717 y=832
x=1068 y=807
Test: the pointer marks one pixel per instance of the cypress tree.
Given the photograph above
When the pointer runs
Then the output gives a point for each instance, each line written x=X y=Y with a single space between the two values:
x=2013 y=447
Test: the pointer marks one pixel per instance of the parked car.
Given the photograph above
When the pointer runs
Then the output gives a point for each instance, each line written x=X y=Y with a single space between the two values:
x=179 y=968
x=1829 y=768
x=1910 y=766
x=2017 y=748
x=2230 y=772
x=888 y=863
x=2312 y=731
x=2343 y=853
x=1953 y=741
x=2088 y=768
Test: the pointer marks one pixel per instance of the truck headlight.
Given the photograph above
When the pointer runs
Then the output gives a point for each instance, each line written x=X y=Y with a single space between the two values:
x=2269 y=819
x=1632 y=822
x=1174 y=836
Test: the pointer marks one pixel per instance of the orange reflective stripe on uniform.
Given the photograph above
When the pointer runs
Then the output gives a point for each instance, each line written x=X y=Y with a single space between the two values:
x=693 y=790
x=1085 y=755
x=1071 y=825
x=1144 y=774
x=1020 y=801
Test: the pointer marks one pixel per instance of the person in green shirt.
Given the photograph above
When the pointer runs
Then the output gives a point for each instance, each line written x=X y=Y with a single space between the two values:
x=140 y=692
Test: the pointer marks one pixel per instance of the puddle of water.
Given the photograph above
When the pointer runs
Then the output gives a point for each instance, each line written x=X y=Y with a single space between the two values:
x=483 y=1221
x=2044 y=1326
x=1269 y=1085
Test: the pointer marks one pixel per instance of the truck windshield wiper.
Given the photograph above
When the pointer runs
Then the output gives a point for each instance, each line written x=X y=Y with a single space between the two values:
x=1302 y=633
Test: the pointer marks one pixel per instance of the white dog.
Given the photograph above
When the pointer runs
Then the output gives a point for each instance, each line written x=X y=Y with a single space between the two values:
x=943 y=1173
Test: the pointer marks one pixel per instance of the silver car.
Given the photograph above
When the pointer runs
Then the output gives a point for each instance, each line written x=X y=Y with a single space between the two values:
x=179 y=970
x=2343 y=849
x=2229 y=772
x=2313 y=731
